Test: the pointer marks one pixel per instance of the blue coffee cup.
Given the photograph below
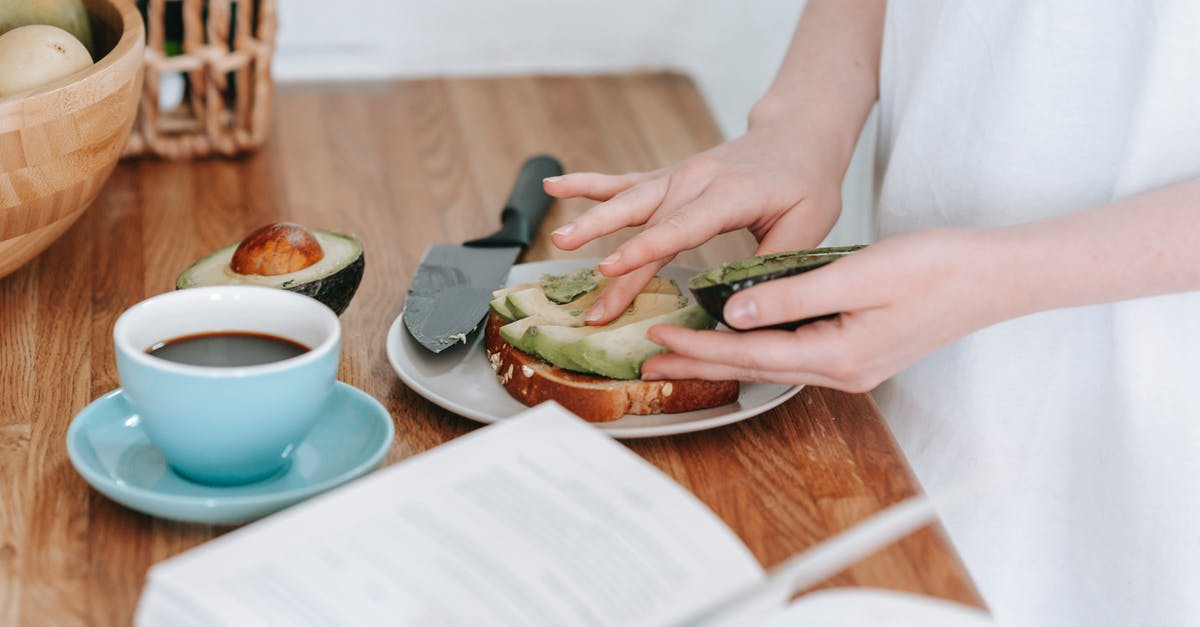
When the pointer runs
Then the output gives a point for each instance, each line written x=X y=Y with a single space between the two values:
x=228 y=425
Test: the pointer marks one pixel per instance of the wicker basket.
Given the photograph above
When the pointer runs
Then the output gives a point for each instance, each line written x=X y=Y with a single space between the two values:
x=220 y=50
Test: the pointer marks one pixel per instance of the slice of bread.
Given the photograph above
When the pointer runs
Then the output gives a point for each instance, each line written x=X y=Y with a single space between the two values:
x=592 y=397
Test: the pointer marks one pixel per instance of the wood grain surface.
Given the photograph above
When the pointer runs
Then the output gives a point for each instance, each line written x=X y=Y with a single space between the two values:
x=402 y=165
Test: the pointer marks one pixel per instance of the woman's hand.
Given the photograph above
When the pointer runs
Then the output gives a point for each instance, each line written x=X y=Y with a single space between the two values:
x=781 y=180
x=904 y=297
x=765 y=181
x=896 y=301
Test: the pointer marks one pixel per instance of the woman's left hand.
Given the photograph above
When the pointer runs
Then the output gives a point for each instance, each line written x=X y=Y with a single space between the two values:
x=896 y=301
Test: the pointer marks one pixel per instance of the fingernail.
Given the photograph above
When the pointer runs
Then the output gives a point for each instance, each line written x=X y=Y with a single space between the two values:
x=595 y=313
x=552 y=179
x=611 y=259
x=565 y=229
x=742 y=312
x=650 y=375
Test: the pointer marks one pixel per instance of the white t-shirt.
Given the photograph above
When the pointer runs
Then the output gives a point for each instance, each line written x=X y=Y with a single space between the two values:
x=998 y=112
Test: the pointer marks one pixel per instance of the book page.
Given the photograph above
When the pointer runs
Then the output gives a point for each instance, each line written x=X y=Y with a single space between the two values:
x=538 y=520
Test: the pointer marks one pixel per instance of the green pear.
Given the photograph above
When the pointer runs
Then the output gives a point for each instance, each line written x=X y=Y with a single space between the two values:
x=69 y=15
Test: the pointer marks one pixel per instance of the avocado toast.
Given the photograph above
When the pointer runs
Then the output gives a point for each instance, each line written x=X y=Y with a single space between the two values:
x=541 y=349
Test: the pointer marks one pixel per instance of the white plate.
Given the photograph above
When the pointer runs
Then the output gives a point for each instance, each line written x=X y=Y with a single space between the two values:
x=461 y=380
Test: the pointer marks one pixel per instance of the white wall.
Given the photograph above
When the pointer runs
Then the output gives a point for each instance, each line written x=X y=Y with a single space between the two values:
x=731 y=48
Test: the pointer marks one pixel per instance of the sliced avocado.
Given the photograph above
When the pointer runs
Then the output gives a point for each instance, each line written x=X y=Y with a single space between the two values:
x=547 y=320
x=499 y=305
x=332 y=280
x=499 y=302
x=533 y=302
x=547 y=342
x=564 y=288
x=713 y=287
x=515 y=332
x=620 y=353
x=520 y=302
x=550 y=341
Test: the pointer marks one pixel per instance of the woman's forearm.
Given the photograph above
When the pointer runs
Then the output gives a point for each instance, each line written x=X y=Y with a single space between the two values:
x=829 y=79
x=1138 y=246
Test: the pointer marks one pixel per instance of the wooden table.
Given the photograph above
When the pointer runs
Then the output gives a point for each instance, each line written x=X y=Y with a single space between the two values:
x=401 y=165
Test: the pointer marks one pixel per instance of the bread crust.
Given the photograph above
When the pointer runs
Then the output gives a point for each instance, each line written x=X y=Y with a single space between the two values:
x=592 y=397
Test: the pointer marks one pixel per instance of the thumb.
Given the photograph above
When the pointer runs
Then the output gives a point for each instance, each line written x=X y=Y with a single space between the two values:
x=835 y=288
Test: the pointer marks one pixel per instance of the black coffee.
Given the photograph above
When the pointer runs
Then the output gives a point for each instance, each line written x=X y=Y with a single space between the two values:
x=227 y=348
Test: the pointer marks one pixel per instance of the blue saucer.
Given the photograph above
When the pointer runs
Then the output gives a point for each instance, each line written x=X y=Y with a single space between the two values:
x=107 y=446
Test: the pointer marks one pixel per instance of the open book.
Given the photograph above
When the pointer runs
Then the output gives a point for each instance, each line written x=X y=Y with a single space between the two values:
x=537 y=520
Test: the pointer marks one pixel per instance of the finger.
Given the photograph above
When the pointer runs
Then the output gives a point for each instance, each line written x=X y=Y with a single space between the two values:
x=803 y=350
x=675 y=366
x=591 y=185
x=631 y=207
x=619 y=293
x=822 y=353
x=694 y=222
x=836 y=288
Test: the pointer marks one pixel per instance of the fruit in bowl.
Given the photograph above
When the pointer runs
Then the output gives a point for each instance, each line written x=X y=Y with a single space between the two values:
x=61 y=139
x=31 y=56
x=69 y=15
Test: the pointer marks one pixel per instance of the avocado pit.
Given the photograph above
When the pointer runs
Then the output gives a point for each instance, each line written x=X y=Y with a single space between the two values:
x=276 y=249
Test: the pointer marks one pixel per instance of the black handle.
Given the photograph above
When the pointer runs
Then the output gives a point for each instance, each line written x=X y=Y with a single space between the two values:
x=526 y=206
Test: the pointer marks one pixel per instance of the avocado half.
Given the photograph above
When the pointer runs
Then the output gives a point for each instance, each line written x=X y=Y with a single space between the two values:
x=332 y=280
x=712 y=288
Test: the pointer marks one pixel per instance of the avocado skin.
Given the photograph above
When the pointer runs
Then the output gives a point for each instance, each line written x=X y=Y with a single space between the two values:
x=335 y=290
x=712 y=291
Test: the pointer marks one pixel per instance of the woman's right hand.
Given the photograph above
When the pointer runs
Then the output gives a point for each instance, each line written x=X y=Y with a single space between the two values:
x=769 y=181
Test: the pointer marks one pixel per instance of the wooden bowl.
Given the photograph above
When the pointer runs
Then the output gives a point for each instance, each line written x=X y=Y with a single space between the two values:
x=60 y=142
